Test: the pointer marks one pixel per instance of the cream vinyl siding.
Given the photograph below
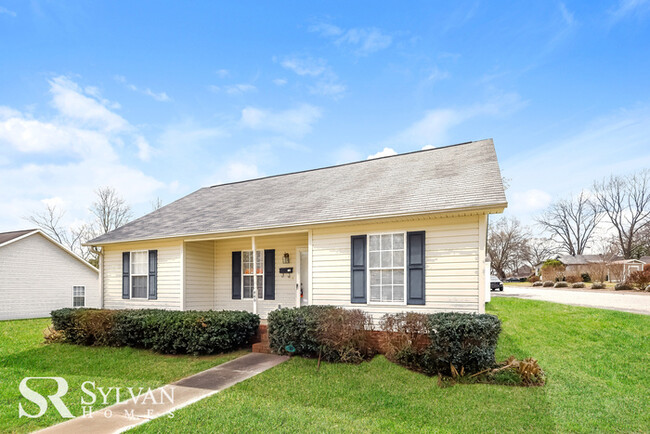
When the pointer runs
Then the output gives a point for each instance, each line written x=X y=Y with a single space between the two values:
x=199 y=275
x=37 y=276
x=452 y=264
x=285 y=287
x=169 y=276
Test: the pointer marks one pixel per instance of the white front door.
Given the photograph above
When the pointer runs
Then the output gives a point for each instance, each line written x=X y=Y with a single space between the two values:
x=303 y=277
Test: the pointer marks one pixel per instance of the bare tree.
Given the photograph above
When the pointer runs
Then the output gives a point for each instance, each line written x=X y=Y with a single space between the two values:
x=571 y=222
x=641 y=245
x=507 y=245
x=541 y=249
x=156 y=204
x=49 y=221
x=626 y=201
x=110 y=210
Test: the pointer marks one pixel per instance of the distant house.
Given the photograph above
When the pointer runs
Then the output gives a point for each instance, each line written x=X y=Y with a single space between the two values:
x=37 y=275
x=646 y=261
x=619 y=269
x=400 y=233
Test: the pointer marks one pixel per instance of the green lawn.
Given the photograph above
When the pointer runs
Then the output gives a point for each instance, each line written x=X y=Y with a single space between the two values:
x=22 y=354
x=597 y=362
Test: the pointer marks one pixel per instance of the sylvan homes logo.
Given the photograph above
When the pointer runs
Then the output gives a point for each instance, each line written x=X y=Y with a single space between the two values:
x=139 y=402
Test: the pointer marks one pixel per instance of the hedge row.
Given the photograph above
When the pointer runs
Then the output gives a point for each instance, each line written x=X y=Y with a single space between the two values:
x=169 y=332
x=427 y=343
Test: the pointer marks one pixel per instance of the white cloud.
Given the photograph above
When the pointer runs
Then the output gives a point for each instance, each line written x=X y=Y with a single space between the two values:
x=234 y=89
x=386 y=152
x=326 y=83
x=280 y=81
x=567 y=15
x=6 y=11
x=437 y=75
x=158 y=96
x=305 y=66
x=433 y=129
x=292 y=122
x=237 y=171
x=529 y=201
x=365 y=40
x=427 y=147
x=222 y=73
x=85 y=137
x=626 y=8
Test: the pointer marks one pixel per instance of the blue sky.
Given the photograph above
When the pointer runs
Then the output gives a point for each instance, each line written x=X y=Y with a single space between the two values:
x=161 y=98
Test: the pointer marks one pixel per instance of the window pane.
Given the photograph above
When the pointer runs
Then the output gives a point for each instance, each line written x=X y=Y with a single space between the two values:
x=375 y=293
x=386 y=259
x=386 y=293
x=398 y=276
x=374 y=259
x=375 y=277
x=78 y=302
x=398 y=293
x=139 y=263
x=374 y=242
x=260 y=262
x=260 y=286
x=248 y=287
x=386 y=242
x=247 y=257
x=398 y=241
x=139 y=287
x=386 y=277
x=398 y=258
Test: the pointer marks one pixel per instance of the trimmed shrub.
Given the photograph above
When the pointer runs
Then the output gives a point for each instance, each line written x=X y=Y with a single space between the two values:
x=344 y=335
x=573 y=278
x=597 y=285
x=533 y=279
x=462 y=340
x=295 y=327
x=547 y=284
x=586 y=277
x=561 y=285
x=578 y=285
x=405 y=337
x=640 y=279
x=538 y=283
x=169 y=332
x=623 y=286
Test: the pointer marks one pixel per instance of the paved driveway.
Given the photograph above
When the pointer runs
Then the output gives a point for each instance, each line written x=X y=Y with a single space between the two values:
x=626 y=302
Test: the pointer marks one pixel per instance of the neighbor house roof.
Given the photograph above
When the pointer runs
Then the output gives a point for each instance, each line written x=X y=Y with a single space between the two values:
x=585 y=259
x=5 y=237
x=645 y=259
x=459 y=177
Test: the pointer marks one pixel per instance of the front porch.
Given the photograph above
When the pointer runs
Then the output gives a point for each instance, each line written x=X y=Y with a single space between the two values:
x=215 y=278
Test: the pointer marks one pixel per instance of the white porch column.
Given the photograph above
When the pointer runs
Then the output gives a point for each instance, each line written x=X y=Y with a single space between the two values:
x=254 y=276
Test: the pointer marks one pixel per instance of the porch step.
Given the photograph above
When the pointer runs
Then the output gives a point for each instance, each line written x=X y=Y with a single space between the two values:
x=261 y=340
x=262 y=347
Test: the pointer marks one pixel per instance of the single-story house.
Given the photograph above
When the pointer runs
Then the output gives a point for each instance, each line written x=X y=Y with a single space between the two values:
x=38 y=275
x=399 y=233
x=619 y=269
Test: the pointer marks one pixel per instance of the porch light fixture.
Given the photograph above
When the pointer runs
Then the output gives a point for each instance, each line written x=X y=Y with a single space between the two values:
x=285 y=258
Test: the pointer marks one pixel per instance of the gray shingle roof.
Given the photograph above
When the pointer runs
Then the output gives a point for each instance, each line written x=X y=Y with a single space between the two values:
x=8 y=236
x=455 y=177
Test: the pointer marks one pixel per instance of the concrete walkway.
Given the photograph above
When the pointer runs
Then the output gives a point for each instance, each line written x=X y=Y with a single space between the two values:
x=169 y=398
x=625 y=302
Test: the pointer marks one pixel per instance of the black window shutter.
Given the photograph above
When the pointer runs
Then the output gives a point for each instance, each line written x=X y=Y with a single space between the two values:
x=236 y=275
x=269 y=274
x=416 y=266
x=153 y=274
x=126 y=274
x=358 y=260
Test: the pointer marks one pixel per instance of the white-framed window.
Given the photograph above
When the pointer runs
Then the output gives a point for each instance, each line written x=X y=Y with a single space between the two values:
x=78 y=296
x=139 y=274
x=387 y=268
x=249 y=273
